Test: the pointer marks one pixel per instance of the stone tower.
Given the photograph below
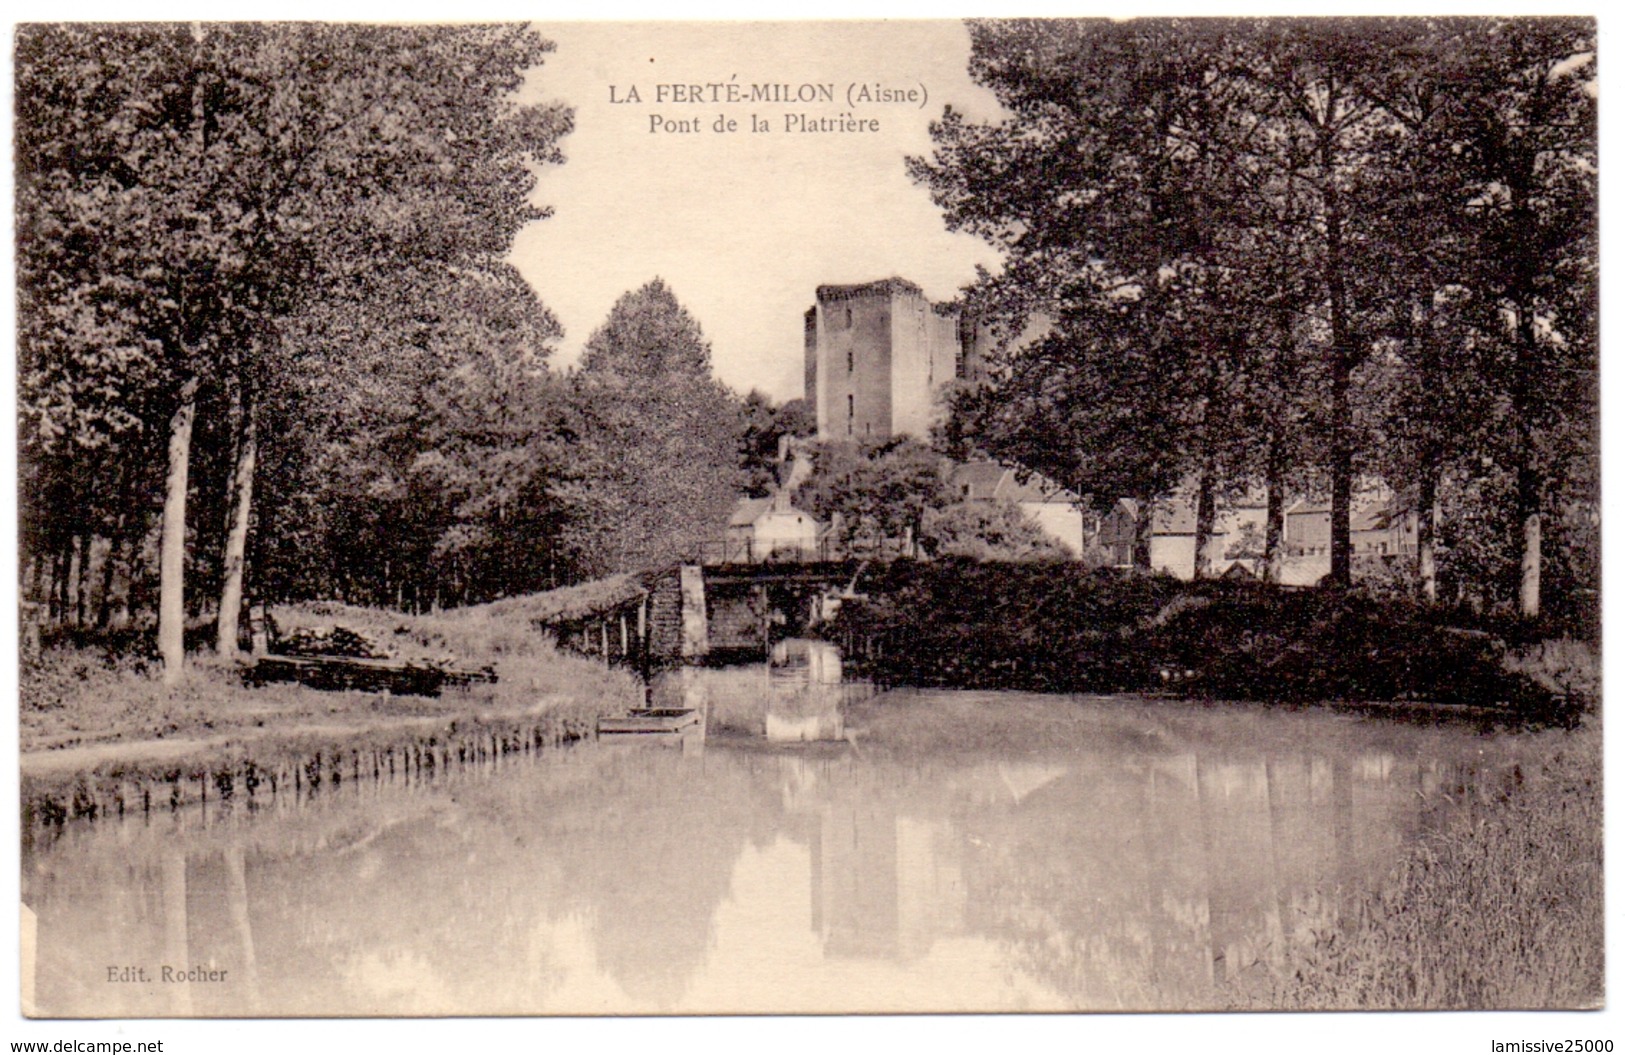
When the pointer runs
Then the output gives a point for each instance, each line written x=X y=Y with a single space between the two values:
x=877 y=358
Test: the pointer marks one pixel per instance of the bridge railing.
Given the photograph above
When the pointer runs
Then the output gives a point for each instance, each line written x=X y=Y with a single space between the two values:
x=825 y=550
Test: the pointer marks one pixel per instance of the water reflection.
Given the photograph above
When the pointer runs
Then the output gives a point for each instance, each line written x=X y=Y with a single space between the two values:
x=1124 y=858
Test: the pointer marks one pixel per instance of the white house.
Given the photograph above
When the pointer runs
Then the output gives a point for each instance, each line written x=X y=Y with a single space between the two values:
x=764 y=528
x=1052 y=507
x=1173 y=535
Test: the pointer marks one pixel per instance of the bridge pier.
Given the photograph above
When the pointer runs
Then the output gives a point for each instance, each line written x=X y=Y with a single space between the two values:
x=696 y=640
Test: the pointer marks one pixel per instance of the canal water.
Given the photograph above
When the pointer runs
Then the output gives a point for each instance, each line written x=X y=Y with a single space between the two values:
x=953 y=851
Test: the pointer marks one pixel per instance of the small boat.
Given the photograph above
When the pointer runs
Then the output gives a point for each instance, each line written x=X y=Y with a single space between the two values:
x=650 y=721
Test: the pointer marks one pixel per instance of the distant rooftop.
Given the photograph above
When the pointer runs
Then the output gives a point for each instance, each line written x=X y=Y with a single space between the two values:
x=985 y=479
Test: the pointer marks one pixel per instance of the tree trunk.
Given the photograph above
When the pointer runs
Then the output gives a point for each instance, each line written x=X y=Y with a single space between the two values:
x=81 y=578
x=172 y=548
x=1529 y=565
x=1206 y=513
x=104 y=610
x=1427 y=355
x=1142 y=534
x=1274 y=513
x=1529 y=481
x=1427 y=528
x=172 y=558
x=115 y=547
x=1342 y=506
x=59 y=575
x=242 y=494
x=37 y=573
x=138 y=569
x=1342 y=368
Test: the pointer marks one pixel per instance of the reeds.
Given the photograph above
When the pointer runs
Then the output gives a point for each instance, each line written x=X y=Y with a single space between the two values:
x=1502 y=909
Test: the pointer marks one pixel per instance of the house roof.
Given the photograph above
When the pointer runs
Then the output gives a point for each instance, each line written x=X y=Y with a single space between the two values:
x=748 y=510
x=988 y=479
x=977 y=480
x=1372 y=516
x=787 y=510
x=1037 y=489
x=1171 y=516
x=1174 y=516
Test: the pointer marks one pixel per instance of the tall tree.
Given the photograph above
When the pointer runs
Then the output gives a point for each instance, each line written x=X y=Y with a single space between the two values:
x=433 y=440
x=1115 y=191
x=189 y=187
x=765 y=425
x=1289 y=251
x=659 y=438
x=1325 y=145
x=1523 y=124
x=880 y=495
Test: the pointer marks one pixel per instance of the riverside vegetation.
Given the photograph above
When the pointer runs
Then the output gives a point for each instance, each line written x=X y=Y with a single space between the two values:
x=1502 y=909
x=1061 y=627
x=83 y=693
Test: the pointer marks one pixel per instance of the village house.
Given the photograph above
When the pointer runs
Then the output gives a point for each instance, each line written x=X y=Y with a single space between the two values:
x=1380 y=529
x=1173 y=536
x=769 y=528
x=1057 y=511
x=1377 y=528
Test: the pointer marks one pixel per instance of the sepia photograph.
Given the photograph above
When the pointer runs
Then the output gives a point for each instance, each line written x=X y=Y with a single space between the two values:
x=819 y=518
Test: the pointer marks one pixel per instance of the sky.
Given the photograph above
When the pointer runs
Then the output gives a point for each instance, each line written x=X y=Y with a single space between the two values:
x=743 y=226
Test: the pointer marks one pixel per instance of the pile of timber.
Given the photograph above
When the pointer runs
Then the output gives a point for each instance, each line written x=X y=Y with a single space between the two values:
x=338 y=673
x=333 y=641
x=339 y=659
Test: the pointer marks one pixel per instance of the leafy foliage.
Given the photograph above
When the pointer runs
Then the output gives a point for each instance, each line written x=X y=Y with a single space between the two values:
x=1288 y=253
x=657 y=456
x=993 y=529
x=206 y=213
x=764 y=426
x=1058 y=627
x=877 y=494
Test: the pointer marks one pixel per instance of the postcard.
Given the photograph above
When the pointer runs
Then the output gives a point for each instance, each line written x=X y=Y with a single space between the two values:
x=808 y=518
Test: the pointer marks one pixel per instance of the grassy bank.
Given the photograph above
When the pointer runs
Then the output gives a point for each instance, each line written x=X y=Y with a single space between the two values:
x=100 y=732
x=83 y=694
x=1502 y=909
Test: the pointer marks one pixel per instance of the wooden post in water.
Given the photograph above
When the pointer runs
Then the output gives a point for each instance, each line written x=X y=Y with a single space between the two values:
x=767 y=621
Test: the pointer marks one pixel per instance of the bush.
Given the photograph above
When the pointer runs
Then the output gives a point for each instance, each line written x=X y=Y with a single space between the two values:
x=1057 y=627
x=1046 y=625
x=1310 y=645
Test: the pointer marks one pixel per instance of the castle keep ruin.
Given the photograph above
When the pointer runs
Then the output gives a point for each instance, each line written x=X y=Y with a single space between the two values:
x=878 y=355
